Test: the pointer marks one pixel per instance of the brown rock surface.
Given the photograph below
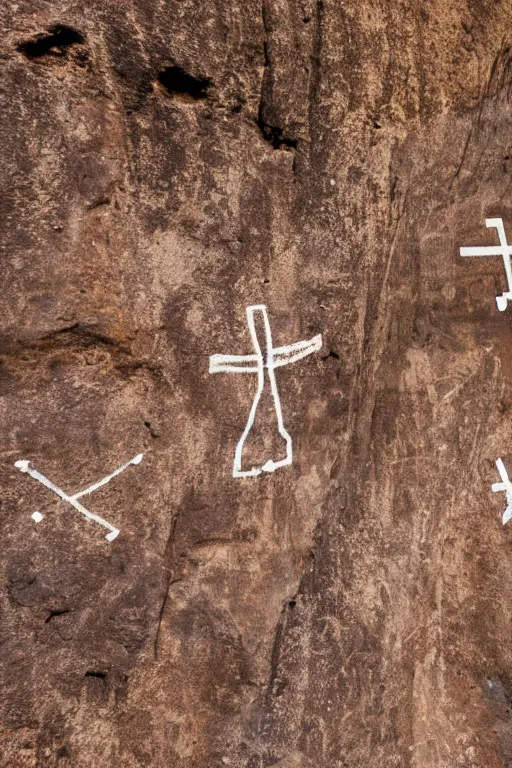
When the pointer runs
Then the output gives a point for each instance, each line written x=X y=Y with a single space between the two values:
x=165 y=164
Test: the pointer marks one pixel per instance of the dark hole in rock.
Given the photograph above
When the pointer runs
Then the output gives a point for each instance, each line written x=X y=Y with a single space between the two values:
x=279 y=687
x=97 y=675
x=152 y=432
x=54 y=43
x=292 y=603
x=178 y=83
x=53 y=614
x=332 y=354
x=274 y=135
x=240 y=102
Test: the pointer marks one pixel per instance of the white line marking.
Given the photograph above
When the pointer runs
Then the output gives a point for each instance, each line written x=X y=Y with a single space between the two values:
x=506 y=486
x=281 y=356
x=256 y=363
x=136 y=460
x=294 y=352
x=504 y=250
x=24 y=466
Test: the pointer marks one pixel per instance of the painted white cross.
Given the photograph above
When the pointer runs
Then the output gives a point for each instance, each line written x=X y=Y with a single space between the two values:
x=506 y=486
x=24 y=466
x=504 y=250
x=263 y=362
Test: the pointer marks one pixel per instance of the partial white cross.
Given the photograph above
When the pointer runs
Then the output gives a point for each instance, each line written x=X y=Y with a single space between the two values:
x=263 y=363
x=506 y=486
x=504 y=250
x=24 y=466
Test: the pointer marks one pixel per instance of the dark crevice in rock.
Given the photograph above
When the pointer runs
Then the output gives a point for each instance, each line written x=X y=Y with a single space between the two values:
x=213 y=541
x=462 y=158
x=275 y=685
x=78 y=338
x=331 y=354
x=274 y=135
x=500 y=74
x=76 y=335
x=78 y=332
x=99 y=203
x=265 y=48
x=179 y=84
x=316 y=56
x=170 y=580
x=275 y=657
x=98 y=675
x=151 y=431
x=54 y=43
x=53 y=614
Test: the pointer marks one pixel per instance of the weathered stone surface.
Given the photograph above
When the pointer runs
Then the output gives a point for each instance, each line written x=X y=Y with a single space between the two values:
x=165 y=164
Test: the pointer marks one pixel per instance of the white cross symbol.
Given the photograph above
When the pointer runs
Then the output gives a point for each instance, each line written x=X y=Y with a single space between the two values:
x=504 y=250
x=263 y=362
x=24 y=466
x=506 y=486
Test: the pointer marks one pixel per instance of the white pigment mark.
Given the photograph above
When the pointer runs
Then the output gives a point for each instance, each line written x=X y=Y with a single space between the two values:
x=504 y=250
x=264 y=367
x=24 y=466
x=506 y=486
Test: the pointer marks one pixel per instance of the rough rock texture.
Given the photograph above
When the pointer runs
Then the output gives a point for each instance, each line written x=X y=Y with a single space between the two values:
x=166 y=163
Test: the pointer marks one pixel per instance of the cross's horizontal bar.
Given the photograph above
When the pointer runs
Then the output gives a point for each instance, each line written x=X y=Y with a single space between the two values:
x=234 y=363
x=294 y=352
x=280 y=356
x=485 y=250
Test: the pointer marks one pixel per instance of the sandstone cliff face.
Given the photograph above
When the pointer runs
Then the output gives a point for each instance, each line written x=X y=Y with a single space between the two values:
x=165 y=164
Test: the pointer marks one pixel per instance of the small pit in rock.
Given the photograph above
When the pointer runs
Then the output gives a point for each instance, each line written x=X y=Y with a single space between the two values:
x=179 y=84
x=97 y=675
x=55 y=614
x=332 y=354
x=275 y=136
x=55 y=42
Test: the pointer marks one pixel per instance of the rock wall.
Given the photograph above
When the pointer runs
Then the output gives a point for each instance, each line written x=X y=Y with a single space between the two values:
x=166 y=164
